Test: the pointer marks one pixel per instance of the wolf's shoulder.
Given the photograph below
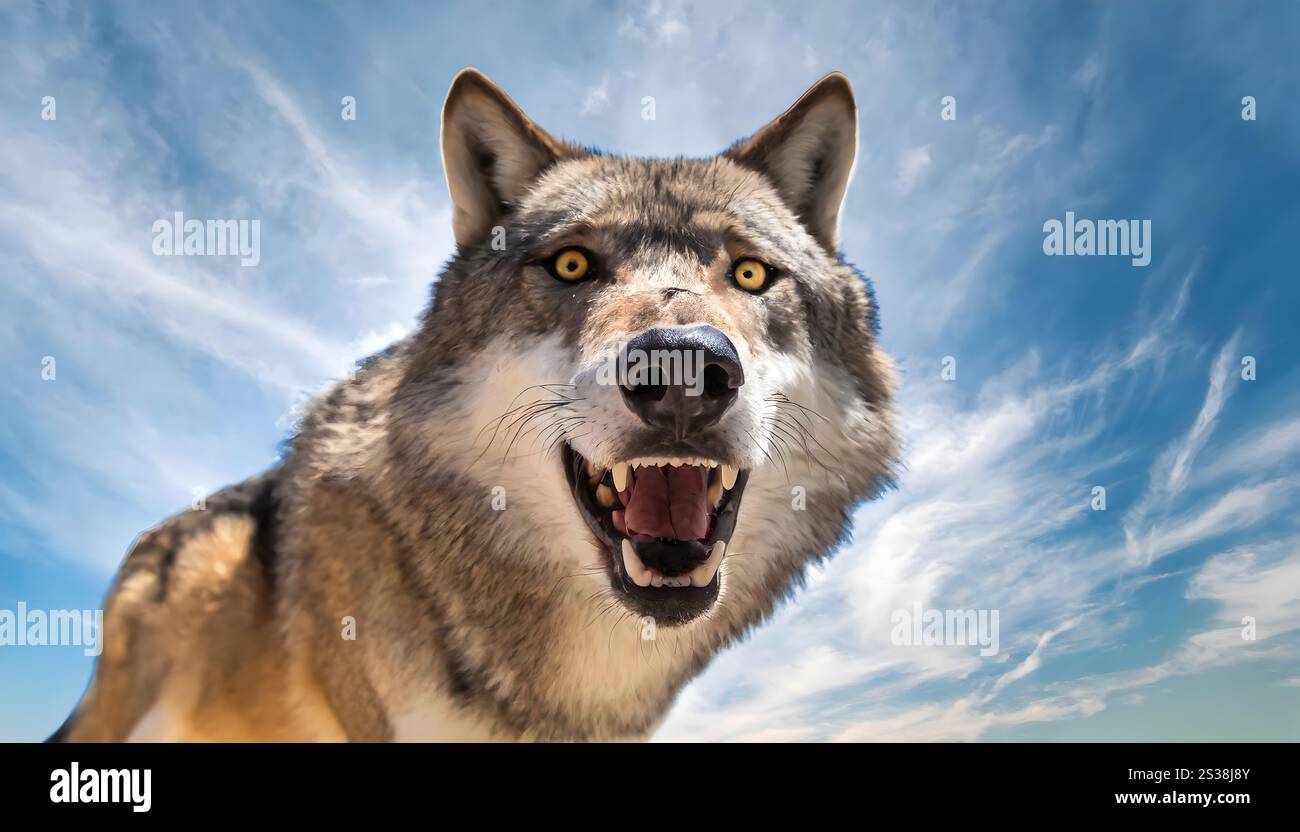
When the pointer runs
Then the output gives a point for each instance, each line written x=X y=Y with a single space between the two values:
x=234 y=534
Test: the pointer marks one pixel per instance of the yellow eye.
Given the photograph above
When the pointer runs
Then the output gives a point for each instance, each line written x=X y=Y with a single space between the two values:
x=750 y=275
x=571 y=264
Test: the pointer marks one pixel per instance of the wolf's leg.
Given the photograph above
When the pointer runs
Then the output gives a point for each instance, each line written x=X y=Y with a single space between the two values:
x=129 y=672
x=189 y=614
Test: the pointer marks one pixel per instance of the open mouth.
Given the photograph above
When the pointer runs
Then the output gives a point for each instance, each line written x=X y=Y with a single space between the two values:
x=665 y=524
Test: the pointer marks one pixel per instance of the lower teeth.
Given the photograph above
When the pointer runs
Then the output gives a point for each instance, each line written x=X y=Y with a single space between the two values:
x=636 y=570
x=702 y=575
x=644 y=576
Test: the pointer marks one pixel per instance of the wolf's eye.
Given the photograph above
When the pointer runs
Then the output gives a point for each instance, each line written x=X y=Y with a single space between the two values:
x=750 y=275
x=571 y=265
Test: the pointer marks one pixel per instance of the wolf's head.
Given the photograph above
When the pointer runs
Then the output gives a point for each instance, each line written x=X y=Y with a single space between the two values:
x=663 y=370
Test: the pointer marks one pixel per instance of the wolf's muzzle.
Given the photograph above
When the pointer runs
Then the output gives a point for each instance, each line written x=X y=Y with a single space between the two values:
x=681 y=379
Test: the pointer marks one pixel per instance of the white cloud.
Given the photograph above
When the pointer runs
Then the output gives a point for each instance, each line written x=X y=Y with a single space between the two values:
x=376 y=340
x=1035 y=658
x=656 y=23
x=1185 y=454
x=911 y=167
x=597 y=98
x=1148 y=539
x=1258 y=448
x=1263 y=583
x=1235 y=510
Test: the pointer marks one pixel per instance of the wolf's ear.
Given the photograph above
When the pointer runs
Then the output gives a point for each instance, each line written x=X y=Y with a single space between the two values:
x=808 y=153
x=491 y=153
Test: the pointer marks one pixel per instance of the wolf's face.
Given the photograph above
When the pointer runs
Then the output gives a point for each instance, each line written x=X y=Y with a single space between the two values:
x=665 y=363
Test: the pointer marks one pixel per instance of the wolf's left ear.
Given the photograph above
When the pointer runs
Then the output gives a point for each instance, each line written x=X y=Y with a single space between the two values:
x=491 y=153
x=808 y=153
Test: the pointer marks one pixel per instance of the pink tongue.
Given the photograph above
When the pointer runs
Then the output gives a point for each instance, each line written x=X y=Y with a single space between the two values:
x=668 y=502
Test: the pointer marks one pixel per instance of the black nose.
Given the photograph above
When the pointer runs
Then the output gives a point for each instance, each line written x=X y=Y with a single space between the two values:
x=680 y=378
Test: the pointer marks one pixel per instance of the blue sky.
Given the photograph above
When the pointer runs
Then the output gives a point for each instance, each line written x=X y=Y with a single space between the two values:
x=175 y=374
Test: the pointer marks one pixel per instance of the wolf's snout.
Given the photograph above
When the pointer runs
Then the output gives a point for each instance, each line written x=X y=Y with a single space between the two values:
x=681 y=379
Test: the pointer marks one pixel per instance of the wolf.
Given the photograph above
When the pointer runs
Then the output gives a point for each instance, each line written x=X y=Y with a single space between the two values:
x=484 y=534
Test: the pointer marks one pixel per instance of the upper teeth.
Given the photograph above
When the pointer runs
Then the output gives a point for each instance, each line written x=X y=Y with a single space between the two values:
x=621 y=470
x=662 y=461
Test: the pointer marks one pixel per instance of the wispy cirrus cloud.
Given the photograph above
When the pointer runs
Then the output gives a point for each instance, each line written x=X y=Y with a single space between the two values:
x=1170 y=474
x=152 y=351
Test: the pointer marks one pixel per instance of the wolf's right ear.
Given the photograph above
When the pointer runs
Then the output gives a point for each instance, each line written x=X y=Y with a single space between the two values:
x=491 y=153
x=808 y=152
